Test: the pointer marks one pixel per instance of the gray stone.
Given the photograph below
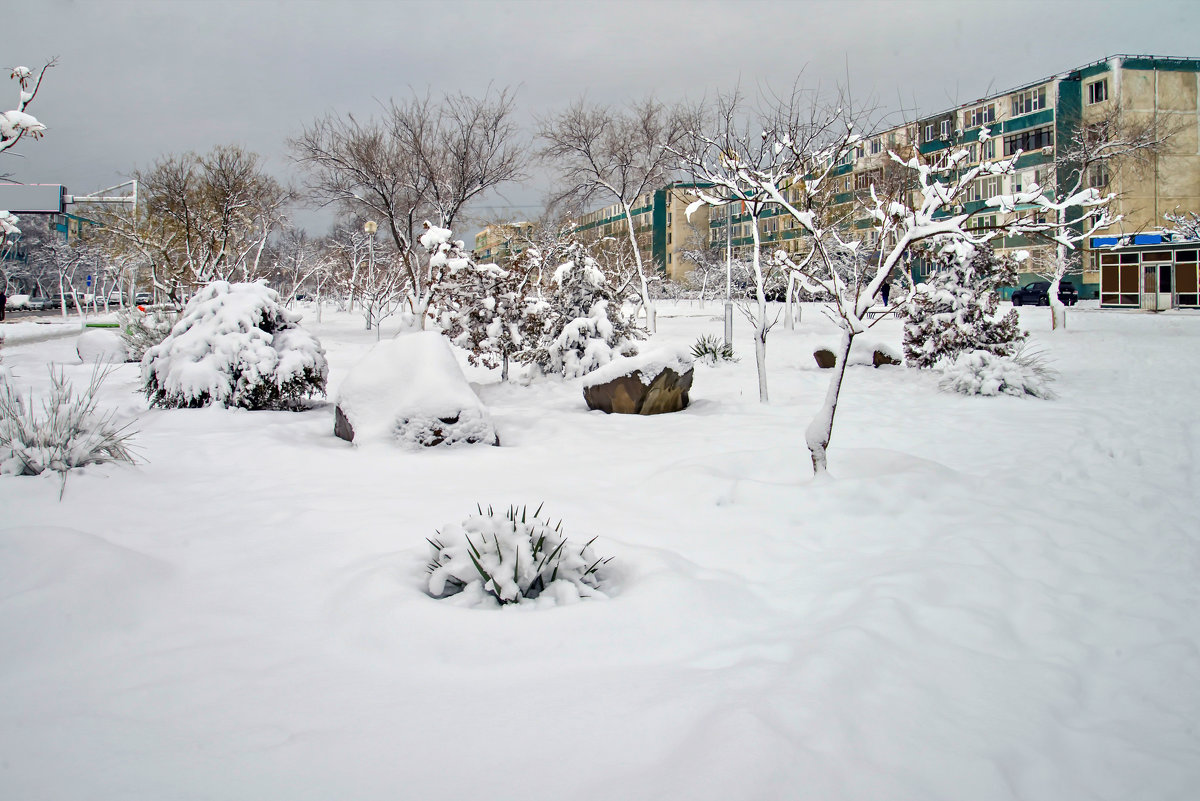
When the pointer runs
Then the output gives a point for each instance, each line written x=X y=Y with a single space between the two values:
x=627 y=394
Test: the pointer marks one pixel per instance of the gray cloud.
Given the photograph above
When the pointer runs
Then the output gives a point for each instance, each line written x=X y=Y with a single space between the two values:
x=137 y=80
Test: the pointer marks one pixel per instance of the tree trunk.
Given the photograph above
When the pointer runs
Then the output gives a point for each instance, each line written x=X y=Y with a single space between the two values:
x=651 y=314
x=820 y=430
x=789 y=322
x=760 y=329
x=1058 y=310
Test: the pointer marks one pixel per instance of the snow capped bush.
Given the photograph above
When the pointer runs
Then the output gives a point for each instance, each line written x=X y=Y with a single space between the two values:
x=587 y=326
x=235 y=345
x=101 y=346
x=957 y=309
x=982 y=373
x=493 y=560
x=67 y=433
x=411 y=390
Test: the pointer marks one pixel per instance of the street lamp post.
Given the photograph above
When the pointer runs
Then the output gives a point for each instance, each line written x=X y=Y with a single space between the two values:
x=370 y=227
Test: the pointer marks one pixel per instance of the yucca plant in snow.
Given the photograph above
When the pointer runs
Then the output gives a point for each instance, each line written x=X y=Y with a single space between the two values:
x=711 y=350
x=67 y=431
x=511 y=558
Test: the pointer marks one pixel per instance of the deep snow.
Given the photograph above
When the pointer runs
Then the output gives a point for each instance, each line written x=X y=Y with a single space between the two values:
x=988 y=598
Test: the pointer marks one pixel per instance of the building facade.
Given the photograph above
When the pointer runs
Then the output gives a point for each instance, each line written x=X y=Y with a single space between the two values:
x=1038 y=119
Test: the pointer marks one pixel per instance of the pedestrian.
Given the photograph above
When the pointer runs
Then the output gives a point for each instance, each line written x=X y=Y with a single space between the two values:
x=886 y=290
x=3 y=300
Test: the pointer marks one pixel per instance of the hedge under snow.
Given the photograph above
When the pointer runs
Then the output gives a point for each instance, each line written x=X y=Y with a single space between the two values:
x=236 y=346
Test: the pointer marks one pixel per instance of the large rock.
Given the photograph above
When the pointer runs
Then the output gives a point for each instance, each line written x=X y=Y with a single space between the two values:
x=654 y=382
x=411 y=390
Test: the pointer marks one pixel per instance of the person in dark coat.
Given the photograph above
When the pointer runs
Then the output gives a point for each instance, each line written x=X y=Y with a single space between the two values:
x=886 y=290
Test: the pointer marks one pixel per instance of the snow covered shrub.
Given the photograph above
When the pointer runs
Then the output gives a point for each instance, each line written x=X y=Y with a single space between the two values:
x=513 y=558
x=957 y=309
x=235 y=345
x=98 y=345
x=711 y=350
x=143 y=330
x=980 y=372
x=485 y=311
x=67 y=433
x=586 y=325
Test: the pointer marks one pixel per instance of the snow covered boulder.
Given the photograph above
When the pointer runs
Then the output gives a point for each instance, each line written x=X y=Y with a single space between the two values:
x=411 y=390
x=236 y=346
x=862 y=351
x=654 y=382
x=101 y=346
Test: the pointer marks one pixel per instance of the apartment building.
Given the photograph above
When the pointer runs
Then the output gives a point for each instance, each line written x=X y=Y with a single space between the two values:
x=1037 y=119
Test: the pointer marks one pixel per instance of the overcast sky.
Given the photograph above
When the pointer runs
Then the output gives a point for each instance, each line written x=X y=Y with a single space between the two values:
x=138 y=80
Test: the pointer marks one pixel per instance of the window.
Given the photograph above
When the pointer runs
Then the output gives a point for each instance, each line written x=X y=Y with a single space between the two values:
x=987 y=150
x=1098 y=91
x=929 y=132
x=983 y=188
x=876 y=147
x=1098 y=175
x=979 y=116
x=1033 y=139
x=945 y=129
x=1029 y=101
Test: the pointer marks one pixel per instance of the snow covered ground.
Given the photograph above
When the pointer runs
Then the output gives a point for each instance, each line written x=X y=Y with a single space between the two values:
x=990 y=598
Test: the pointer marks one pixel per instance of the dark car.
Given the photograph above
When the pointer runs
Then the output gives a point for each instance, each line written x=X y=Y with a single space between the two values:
x=1037 y=293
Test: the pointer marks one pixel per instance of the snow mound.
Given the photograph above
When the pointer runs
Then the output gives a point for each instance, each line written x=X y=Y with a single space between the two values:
x=647 y=364
x=982 y=373
x=236 y=346
x=411 y=390
x=101 y=346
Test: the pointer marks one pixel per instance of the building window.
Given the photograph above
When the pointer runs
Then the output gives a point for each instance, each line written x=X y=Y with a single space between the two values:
x=1029 y=101
x=929 y=132
x=1098 y=91
x=1026 y=141
x=945 y=129
x=876 y=147
x=988 y=150
x=980 y=116
x=1098 y=175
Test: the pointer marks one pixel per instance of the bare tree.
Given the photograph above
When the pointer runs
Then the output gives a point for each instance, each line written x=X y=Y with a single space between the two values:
x=1095 y=156
x=1183 y=224
x=615 y=155
x=17 y=123
x=734 y=143
x=421 y=159
x=199 y=219
x=906 y=220
x=812 y=140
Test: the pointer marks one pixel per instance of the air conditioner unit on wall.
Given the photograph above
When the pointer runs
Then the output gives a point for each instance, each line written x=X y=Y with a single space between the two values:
x=1047 y=150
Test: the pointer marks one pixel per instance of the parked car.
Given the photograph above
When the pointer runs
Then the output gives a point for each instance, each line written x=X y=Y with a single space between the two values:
x=39 y=303
x=143 y=298
x=1037 y=293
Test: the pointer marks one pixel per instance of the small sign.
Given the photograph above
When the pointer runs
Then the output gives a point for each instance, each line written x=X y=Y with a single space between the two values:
x=89 y=283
